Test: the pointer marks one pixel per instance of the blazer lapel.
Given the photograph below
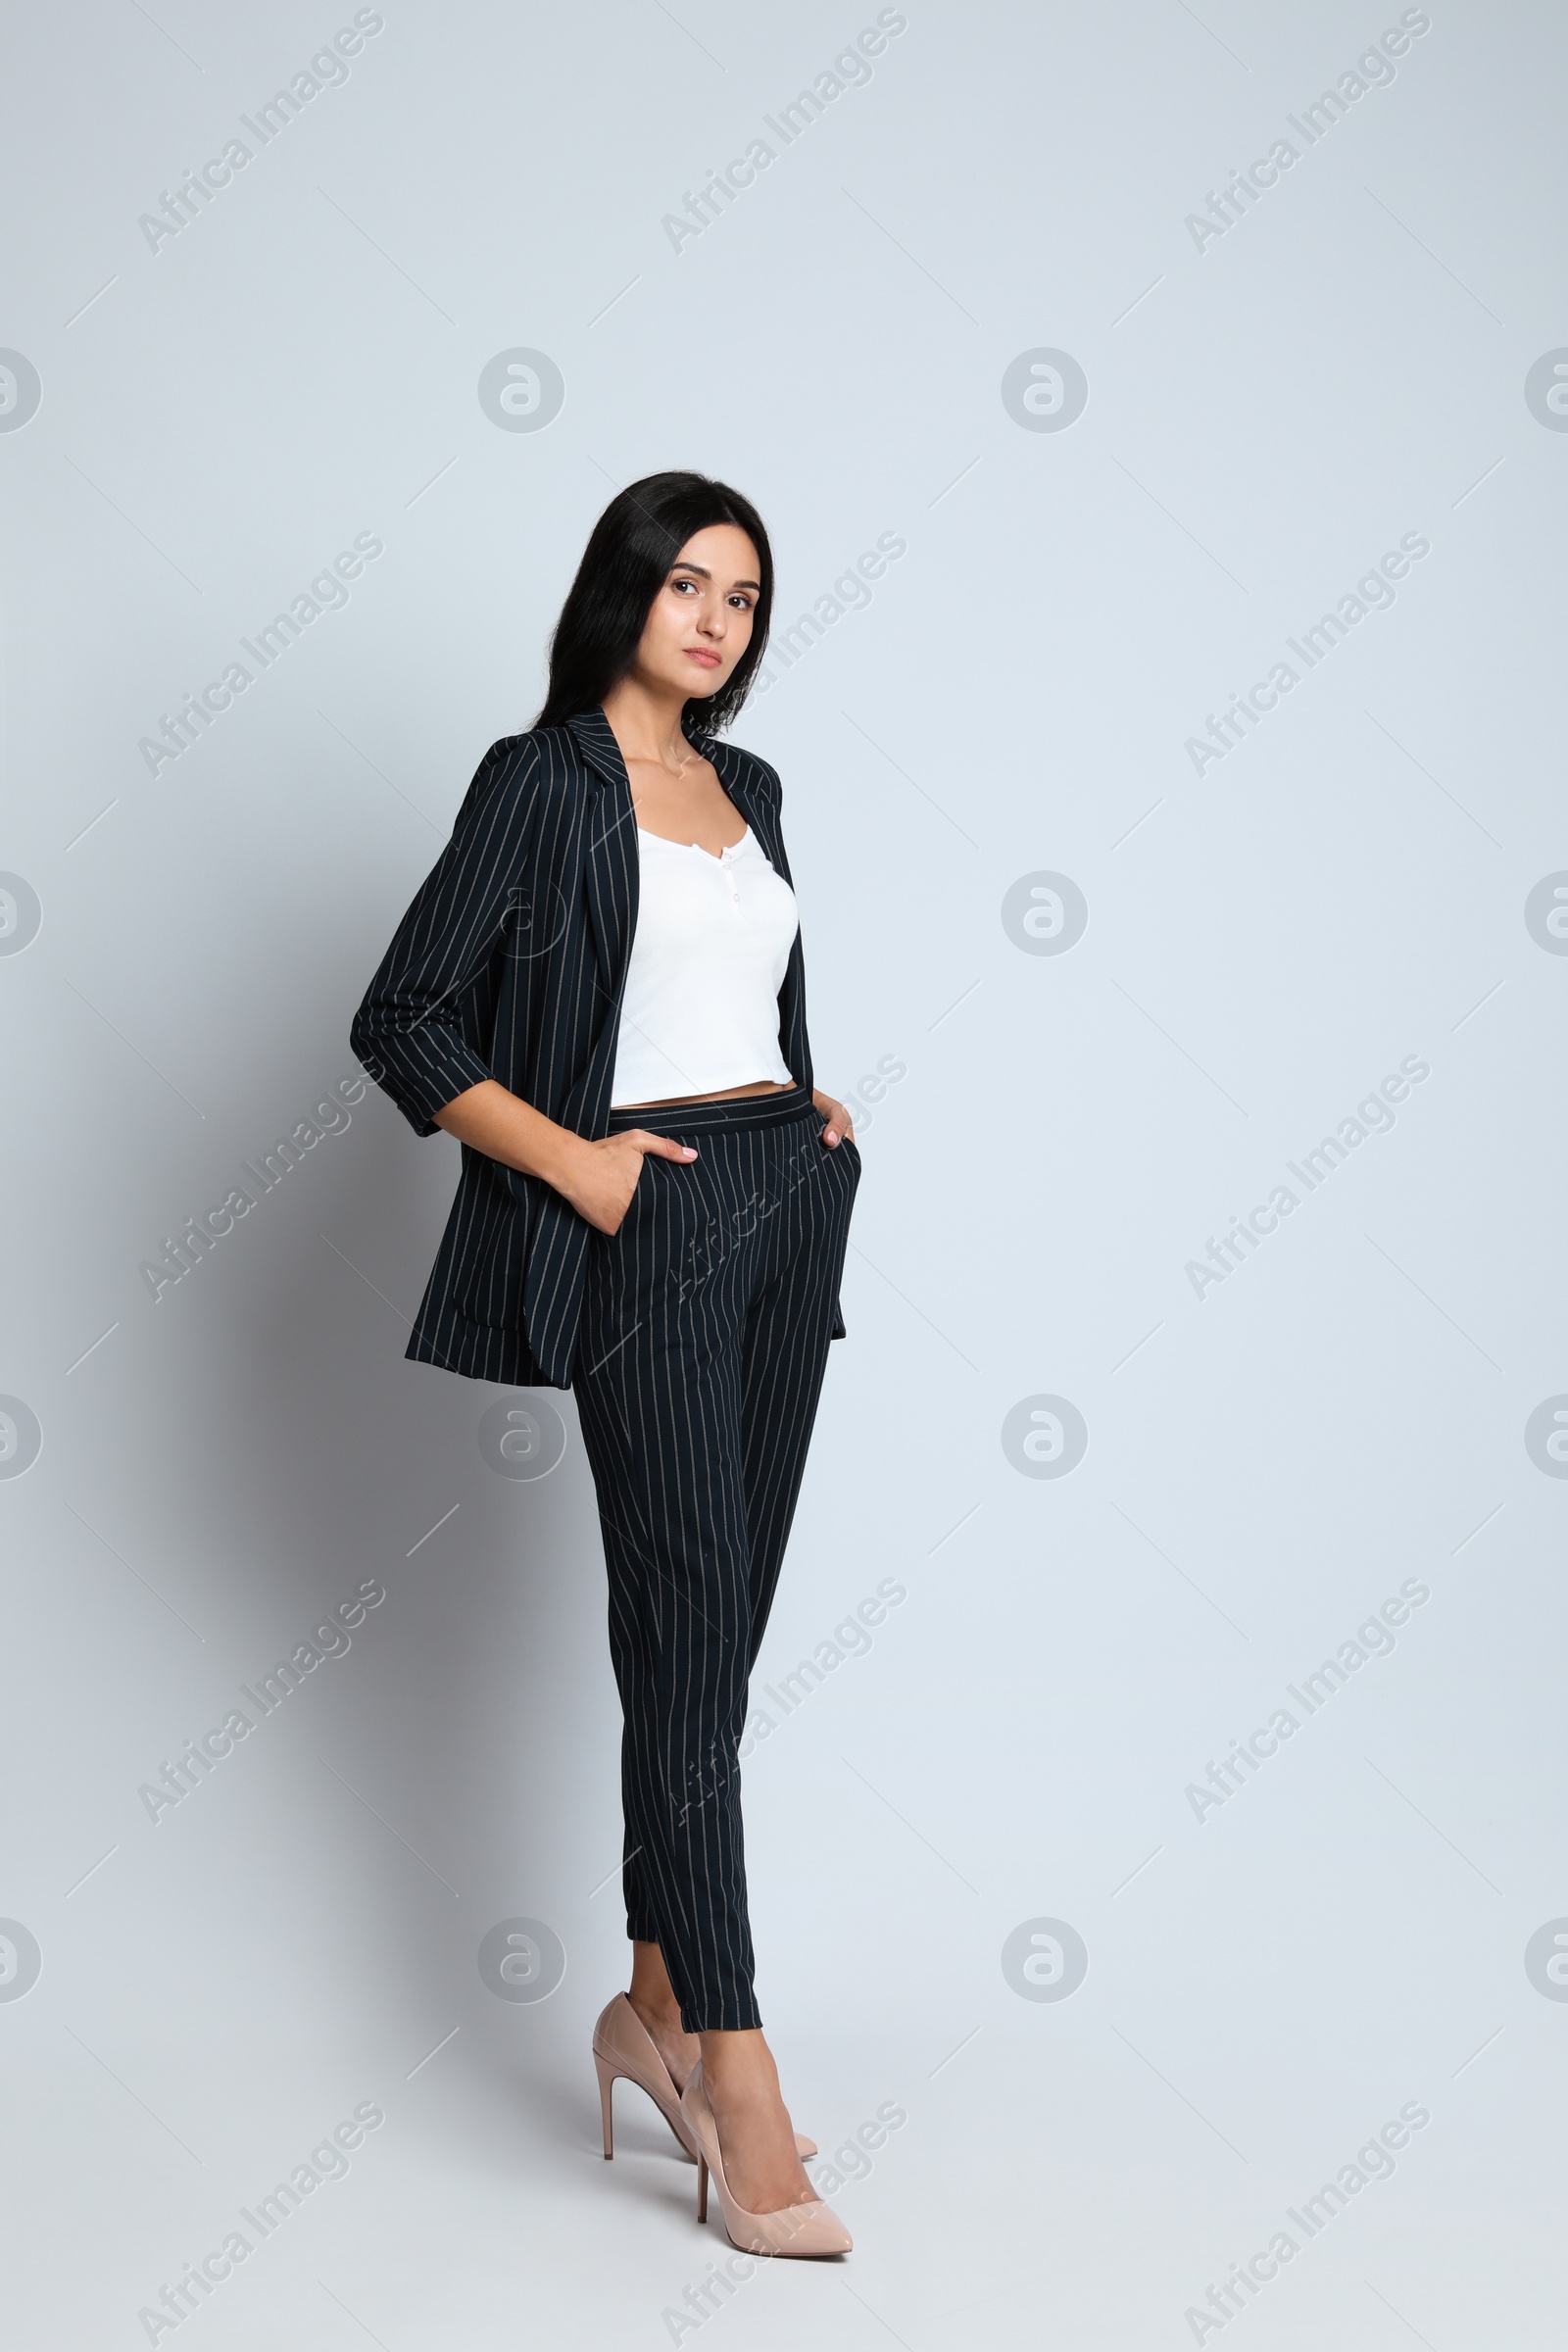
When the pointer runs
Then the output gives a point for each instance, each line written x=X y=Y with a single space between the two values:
x=611 y=861
x=557 y=1261
x=743 y=779
x=736 y=771
x=610 y=853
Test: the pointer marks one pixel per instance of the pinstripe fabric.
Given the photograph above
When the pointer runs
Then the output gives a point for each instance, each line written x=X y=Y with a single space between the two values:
x=509 y=963
x=704 y=1340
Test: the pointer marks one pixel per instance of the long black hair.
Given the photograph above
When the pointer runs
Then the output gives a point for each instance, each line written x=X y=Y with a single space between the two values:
x=628 y=558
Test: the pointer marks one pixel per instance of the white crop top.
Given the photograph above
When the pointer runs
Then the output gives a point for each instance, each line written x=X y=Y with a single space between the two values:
x=712 y=942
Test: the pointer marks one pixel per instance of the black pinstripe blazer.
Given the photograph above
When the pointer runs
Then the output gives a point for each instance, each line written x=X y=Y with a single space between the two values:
x=510 y=965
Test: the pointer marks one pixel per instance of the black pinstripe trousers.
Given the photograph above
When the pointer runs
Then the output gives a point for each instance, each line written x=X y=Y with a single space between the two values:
x=704 y=1339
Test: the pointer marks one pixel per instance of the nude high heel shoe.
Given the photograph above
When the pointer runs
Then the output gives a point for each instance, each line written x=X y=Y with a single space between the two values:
x=810 y=2227
x=623 y=2045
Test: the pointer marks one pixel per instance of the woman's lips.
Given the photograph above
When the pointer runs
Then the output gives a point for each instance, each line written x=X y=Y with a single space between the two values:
x=694 y=654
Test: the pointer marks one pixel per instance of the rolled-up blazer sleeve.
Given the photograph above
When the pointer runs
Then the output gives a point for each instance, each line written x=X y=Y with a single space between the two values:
x=408 y=1033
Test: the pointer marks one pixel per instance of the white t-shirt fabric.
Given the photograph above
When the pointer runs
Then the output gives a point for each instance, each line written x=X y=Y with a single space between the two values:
x=712 y=942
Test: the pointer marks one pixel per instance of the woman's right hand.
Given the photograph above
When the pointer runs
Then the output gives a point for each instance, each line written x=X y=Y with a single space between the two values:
x=598 y=1178
x=601 y=1176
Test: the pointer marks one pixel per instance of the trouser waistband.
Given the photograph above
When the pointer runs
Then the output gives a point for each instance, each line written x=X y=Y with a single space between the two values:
x=743 y=1112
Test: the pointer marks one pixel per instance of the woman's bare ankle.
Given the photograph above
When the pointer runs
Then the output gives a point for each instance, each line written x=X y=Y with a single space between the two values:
x=661 y=2010
x=739 y=2063
x=651 y=1992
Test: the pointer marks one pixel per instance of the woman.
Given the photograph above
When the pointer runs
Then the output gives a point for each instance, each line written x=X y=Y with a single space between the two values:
x=598 y=990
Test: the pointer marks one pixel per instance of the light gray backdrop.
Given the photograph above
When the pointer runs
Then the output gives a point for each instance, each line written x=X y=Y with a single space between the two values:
x=1114 y=432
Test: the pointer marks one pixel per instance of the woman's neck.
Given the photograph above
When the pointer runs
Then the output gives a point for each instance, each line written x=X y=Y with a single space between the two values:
x=646 y=724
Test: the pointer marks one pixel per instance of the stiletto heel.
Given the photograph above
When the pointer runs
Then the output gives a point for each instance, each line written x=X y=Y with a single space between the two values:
x=810 y=2227
x=607 y=2075
x=623 y=2045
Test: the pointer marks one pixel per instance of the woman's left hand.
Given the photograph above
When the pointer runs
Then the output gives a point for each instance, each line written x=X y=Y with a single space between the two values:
x=839 y=1123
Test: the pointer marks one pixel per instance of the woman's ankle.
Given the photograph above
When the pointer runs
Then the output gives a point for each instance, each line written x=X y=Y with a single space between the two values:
x=657 y=2009
x=651 y=1992
x=739 y=2064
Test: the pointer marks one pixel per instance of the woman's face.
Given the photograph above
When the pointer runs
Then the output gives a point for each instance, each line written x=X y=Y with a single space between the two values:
x=699 y=623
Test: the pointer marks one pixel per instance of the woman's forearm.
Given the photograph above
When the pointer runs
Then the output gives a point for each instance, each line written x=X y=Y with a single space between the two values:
x=503 y=1127
x=598 y=1178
